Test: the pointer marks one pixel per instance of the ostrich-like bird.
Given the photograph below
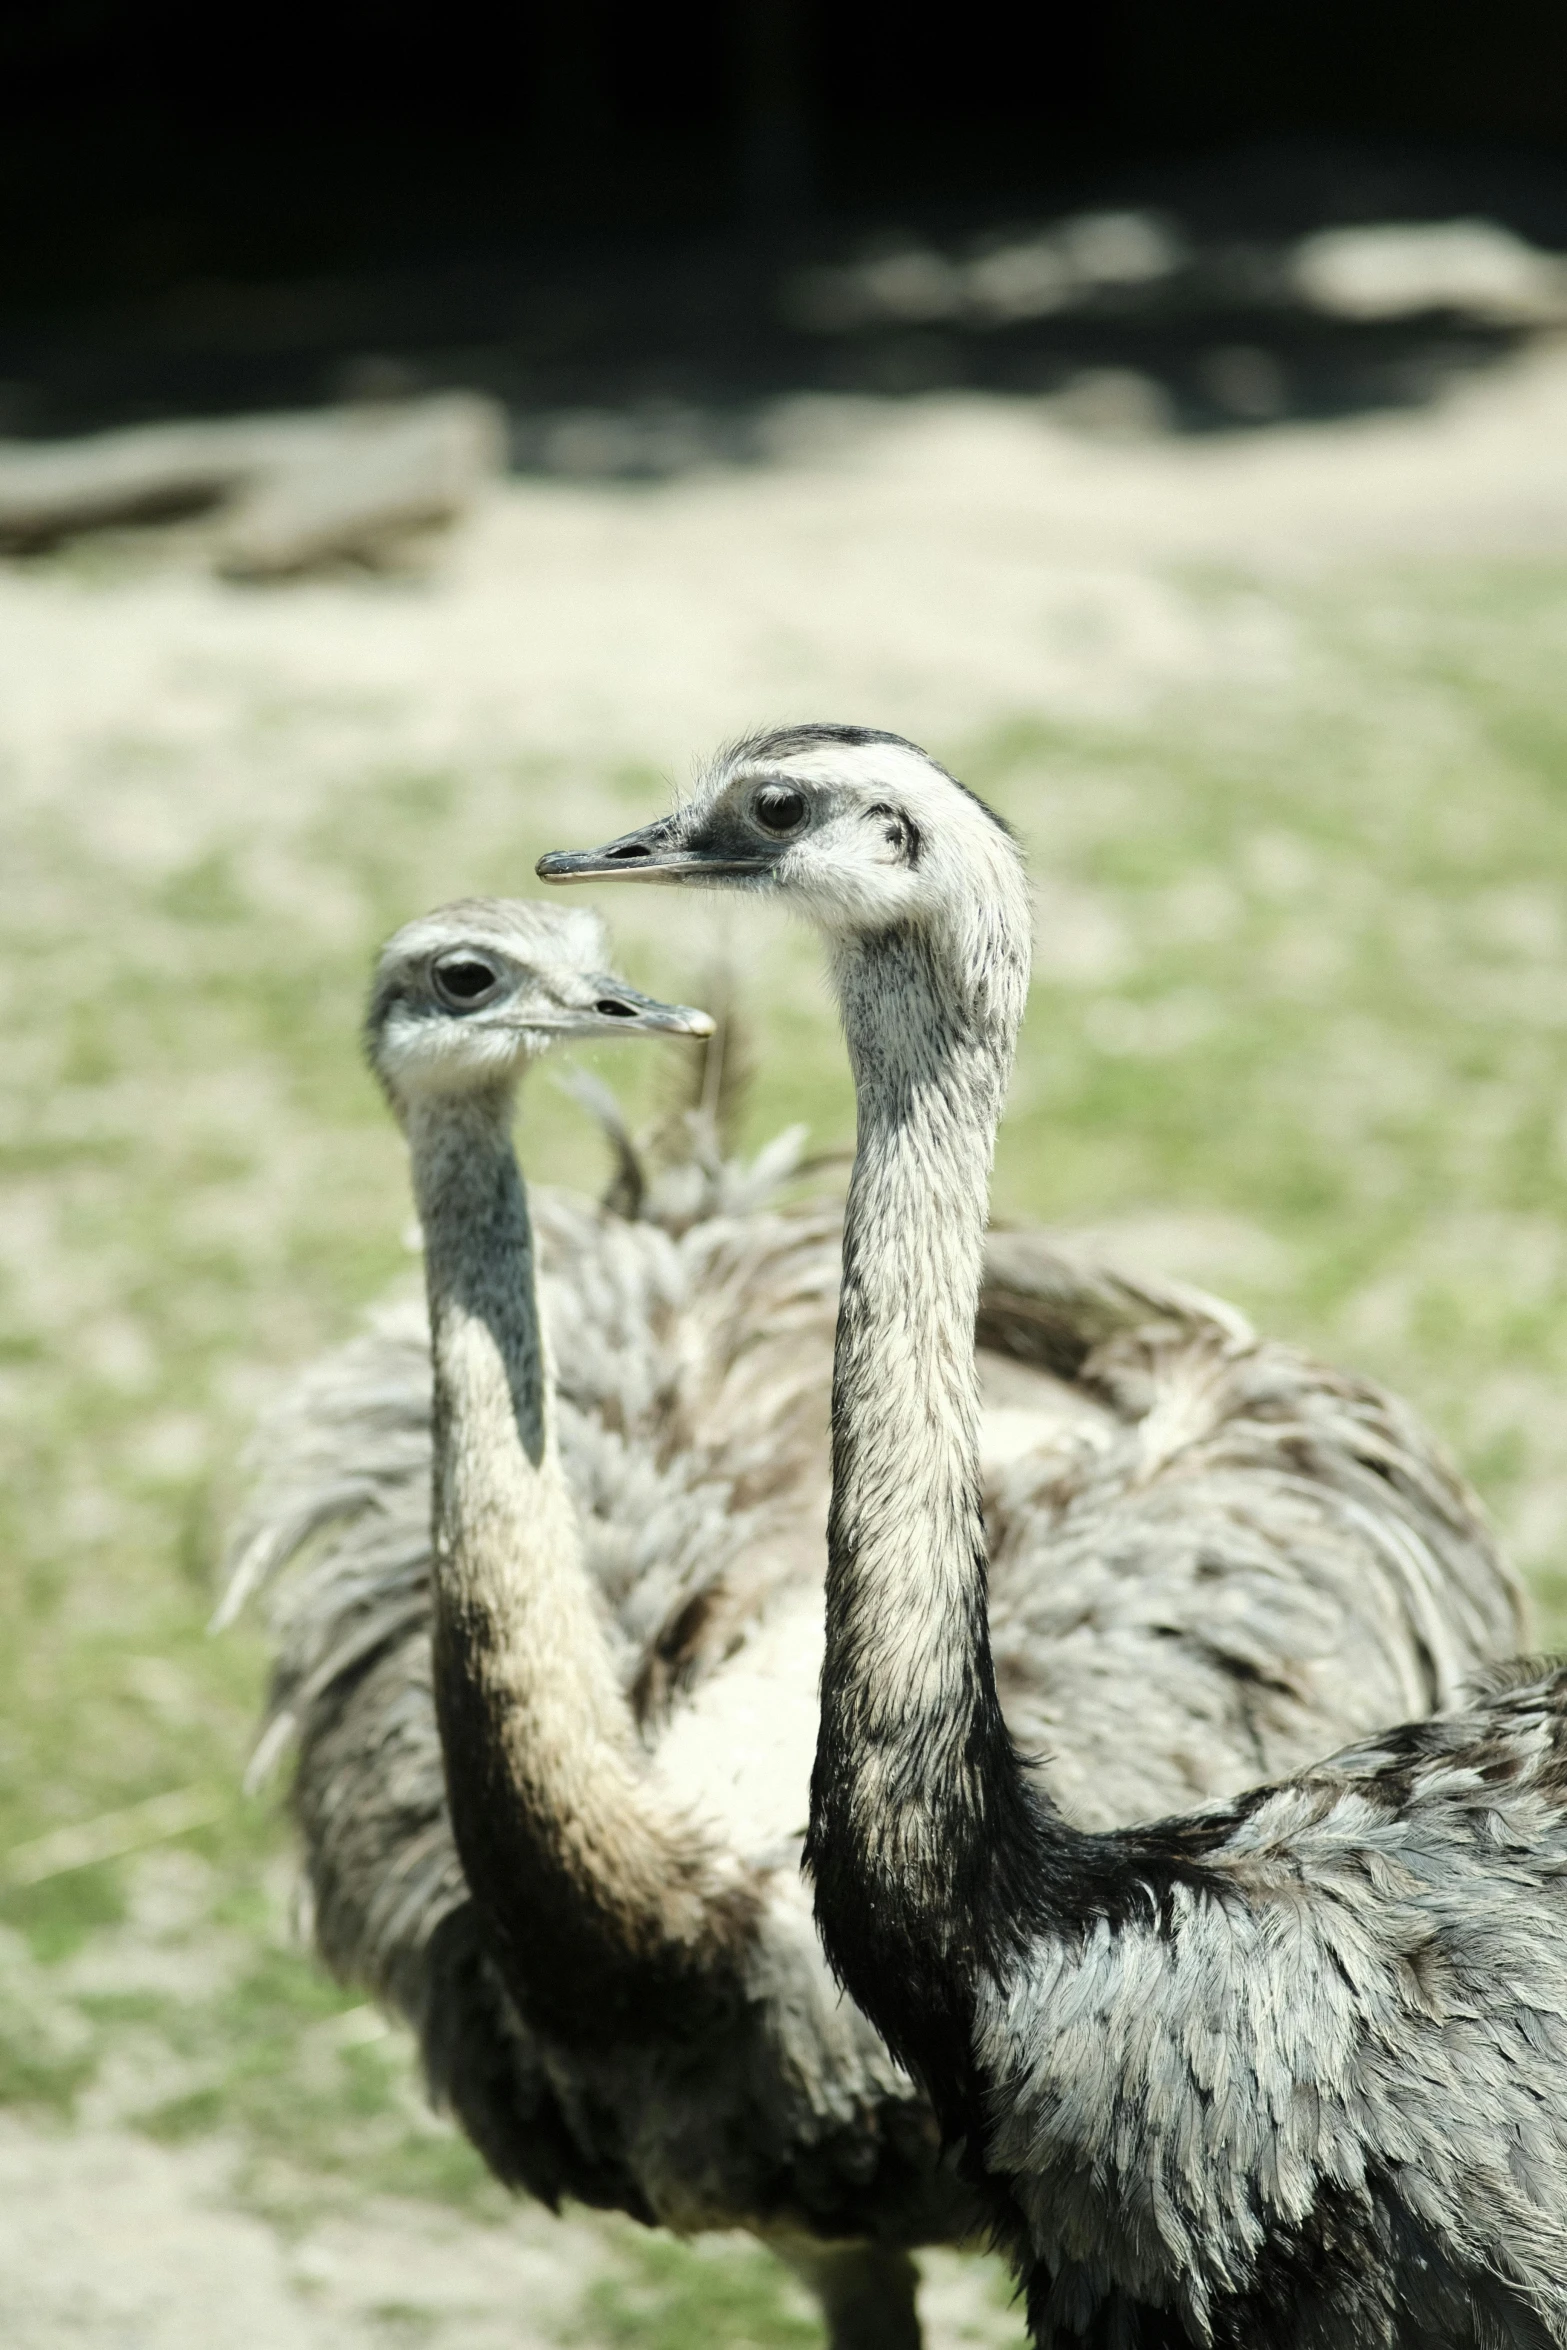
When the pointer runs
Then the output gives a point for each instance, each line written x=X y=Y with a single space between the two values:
x=1290 y=2068
x=1294 y=1562
x=553 y=1763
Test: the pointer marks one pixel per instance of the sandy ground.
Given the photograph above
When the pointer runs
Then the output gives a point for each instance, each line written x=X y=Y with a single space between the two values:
x=938 y=568
x=107 y=2240
x=946 y=564
x=109 y=2243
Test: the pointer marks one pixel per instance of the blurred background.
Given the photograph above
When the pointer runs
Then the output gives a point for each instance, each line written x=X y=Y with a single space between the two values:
x=420 y=438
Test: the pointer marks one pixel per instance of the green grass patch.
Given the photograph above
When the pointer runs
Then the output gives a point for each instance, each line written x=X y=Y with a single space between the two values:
x=1300 y=1018
x=666 y=2295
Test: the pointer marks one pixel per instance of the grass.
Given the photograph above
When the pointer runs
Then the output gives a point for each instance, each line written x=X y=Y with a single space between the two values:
x=665 y=2296
x=1300 y=1030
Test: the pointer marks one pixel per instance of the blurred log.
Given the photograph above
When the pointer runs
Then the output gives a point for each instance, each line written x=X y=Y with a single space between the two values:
x=386 y=474
x=52 y=490
x=324 y=486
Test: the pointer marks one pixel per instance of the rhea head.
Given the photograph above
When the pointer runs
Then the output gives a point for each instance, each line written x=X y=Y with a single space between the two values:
x=465 y=997
x=860 y=832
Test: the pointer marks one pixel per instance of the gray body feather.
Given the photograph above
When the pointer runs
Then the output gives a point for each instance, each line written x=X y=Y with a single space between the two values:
x=1212 y=1560
x=1289 y=2070
x=1314 y=2092
x=1246 y=1560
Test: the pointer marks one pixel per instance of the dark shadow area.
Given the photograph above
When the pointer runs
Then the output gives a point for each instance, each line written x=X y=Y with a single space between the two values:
x=640 y=232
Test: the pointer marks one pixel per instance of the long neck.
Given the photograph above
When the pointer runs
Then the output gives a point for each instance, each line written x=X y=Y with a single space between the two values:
x=598 y=1902
x=920 y=1818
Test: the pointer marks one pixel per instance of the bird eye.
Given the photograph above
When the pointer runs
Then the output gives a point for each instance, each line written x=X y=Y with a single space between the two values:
x=464 y=980
x=779 y=809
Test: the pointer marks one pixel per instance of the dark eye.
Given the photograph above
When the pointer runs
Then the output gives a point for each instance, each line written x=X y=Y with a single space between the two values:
x=465 y=980
x=778 y=808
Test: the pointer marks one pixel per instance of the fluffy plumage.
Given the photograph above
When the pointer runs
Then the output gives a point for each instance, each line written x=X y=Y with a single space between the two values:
x=1287 y=2069
x=692 y=1370
x=757 y=2096
x=1309 y=2085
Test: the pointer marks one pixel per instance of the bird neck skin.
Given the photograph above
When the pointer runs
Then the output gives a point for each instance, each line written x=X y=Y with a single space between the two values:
x=599 y=1904
x=919 y=1806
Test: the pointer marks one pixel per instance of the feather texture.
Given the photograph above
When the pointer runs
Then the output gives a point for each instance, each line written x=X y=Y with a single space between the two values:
x=1288 y=2068
x=1315 y=2091
x=1155 y=1473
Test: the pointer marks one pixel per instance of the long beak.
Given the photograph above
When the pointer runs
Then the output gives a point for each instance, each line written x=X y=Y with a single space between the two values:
x=653 y=854
x=618 y=1006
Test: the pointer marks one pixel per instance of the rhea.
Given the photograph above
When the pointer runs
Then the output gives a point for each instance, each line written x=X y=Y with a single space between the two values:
x=690 y=1327
x=553 y=1765
x=1289 y=2068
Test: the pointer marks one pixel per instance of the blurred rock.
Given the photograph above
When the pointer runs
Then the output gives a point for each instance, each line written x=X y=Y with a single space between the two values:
x=1245 y=382
x=1120 y=248
x=375 y=375
x=899 y=285
x=1112 y=404
x=1027 y=274
x=1027 y=277
x=1399 y=269
x=653 y=441
x=914 y=284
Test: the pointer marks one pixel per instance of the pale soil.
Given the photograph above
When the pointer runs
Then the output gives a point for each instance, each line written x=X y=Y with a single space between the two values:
x=110 y=2243
x=941 y=569
x=945 y=564
x=113 y=2243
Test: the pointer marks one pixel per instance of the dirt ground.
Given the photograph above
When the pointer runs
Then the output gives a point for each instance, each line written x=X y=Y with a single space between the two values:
x=952 y=568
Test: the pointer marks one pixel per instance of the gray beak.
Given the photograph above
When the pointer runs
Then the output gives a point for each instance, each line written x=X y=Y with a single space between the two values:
x=653 y=854
x=618 y=1006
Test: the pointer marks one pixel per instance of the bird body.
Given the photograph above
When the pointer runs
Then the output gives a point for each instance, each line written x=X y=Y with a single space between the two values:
x=1294 y=2070
x=619 y=1993
x=1284 y=2069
